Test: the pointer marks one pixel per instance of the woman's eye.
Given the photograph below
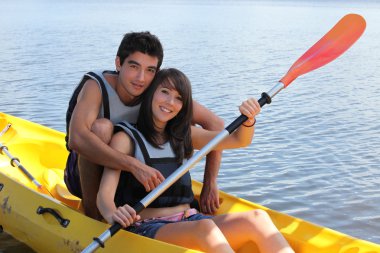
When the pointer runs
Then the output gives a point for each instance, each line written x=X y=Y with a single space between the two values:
x=165 y=91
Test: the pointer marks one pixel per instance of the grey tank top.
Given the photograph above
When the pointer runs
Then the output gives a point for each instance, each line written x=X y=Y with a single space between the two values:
x=118 y=111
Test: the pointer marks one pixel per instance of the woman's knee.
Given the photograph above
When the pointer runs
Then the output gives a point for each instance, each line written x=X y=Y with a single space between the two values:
x=103 y=128
x=261 y=222
x=260 y=216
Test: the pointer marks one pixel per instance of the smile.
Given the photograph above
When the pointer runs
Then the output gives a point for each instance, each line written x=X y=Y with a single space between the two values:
x=164 y=109
x=138 y=86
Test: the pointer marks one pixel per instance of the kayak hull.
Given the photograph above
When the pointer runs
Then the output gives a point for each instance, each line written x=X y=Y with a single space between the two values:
x=36 y=218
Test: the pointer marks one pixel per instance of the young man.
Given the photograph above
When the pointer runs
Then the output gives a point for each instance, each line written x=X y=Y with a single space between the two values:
x=117 y=96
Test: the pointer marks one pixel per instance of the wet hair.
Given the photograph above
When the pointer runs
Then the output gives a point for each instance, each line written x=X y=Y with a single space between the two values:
x=178 y=129
x=143 y=42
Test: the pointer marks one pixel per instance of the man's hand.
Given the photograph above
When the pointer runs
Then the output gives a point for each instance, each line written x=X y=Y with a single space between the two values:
x=149 y=177
x=209 y=201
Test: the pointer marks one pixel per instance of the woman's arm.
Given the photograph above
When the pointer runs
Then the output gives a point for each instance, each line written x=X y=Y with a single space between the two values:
x=105 y=200
x=106 y=194
x=242 y=137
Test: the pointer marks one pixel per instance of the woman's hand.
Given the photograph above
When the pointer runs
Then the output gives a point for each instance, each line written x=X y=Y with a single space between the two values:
x=125 y=216
x=250 y=108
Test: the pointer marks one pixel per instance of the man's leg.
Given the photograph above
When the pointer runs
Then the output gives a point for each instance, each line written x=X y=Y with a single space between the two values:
x=90 y=175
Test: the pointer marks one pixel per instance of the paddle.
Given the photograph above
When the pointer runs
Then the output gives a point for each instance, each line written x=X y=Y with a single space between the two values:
x=16 y=162
x=334 y=43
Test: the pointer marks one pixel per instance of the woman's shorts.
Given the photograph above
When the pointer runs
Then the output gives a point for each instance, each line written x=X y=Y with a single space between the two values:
x=150 y=227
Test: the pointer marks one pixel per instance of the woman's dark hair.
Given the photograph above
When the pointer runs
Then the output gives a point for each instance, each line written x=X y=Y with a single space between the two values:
x=177 y=129
x=143 y=42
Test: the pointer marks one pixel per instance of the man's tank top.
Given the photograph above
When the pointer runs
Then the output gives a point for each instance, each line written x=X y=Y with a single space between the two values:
x=112 y=107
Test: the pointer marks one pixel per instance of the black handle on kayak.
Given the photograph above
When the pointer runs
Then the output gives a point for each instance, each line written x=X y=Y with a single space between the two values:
x=62 y=221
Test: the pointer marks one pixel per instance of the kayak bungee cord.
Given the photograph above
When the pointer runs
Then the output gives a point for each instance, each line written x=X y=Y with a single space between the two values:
x=341 y=37
x=14 y=161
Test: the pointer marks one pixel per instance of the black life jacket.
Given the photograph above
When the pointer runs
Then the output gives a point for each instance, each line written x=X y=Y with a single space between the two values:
x=74 y=97
x=130 y=191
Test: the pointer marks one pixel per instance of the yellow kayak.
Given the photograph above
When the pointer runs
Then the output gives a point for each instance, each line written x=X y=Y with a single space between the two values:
x=51 y=221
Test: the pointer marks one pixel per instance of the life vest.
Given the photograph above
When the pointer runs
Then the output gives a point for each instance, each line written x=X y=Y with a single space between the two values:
x=112 y=107
x=130 y=191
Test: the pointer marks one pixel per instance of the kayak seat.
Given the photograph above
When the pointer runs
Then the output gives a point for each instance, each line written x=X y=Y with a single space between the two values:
x=53 y=179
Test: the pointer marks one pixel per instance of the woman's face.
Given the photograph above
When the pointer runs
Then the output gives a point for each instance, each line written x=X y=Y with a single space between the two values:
x=166 y=104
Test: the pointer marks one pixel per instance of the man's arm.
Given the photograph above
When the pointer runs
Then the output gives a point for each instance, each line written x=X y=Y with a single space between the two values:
x=87 y=144
x=209 y=200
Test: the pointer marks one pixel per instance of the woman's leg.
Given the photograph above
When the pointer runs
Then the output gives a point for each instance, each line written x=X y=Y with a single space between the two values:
x=256 y=226
x=203 y=235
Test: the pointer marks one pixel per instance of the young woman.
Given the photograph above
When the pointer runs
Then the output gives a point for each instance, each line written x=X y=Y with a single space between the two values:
x=164 y=138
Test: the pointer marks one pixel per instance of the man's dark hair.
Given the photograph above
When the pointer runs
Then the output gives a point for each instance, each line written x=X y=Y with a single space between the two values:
x=143 y=42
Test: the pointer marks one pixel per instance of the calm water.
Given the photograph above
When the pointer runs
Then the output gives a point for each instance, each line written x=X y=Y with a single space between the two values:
x=316 y=152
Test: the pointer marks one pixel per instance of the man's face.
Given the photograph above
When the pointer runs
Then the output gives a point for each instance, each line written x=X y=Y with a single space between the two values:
x=135 y=75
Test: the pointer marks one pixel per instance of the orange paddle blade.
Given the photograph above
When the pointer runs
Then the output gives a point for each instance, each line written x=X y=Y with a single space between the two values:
x=340 y=38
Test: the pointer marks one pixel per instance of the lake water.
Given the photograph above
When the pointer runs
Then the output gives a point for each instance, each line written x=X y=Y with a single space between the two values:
x=316 y=152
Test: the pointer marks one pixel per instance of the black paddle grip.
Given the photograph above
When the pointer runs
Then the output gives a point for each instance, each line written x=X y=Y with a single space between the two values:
x=114 y=228
x=265 y=99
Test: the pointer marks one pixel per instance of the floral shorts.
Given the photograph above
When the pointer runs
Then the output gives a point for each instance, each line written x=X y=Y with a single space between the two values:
x=149 y=227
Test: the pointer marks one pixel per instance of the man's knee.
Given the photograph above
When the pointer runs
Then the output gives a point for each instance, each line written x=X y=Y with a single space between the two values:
x=103 y=128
